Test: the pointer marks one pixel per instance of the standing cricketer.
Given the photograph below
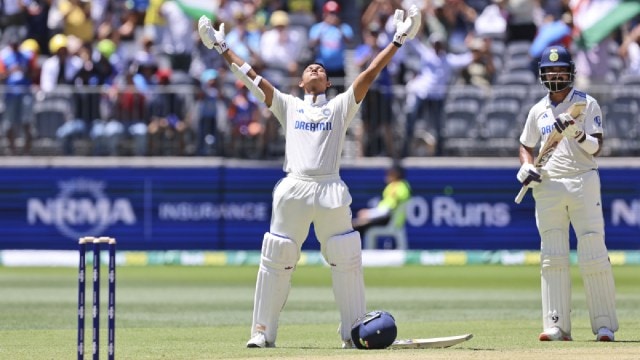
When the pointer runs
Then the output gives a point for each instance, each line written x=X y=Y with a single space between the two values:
x=567 y=192
x=312 y=191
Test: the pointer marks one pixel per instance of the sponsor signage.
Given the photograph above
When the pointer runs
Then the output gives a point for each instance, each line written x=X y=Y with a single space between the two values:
x=222 y=208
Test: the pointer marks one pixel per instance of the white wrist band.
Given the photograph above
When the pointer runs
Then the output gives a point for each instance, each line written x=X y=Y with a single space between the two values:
x=590 y=144
x=245 y=68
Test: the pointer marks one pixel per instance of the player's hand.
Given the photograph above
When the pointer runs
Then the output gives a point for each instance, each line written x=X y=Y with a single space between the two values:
x=568 y=126
x=212 y=38
x=529 y=176
x=406 y=28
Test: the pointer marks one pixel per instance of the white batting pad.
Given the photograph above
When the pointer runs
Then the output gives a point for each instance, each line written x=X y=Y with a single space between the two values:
x=279 y=258
x=599 y=286
x=344 y=255
x=556 y=280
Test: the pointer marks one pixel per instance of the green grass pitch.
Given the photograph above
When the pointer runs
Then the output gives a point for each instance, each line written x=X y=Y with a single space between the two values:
x=173 y=312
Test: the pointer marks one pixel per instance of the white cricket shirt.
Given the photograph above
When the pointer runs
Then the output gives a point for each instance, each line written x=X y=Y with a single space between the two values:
x=568 y=158
x=314 y=132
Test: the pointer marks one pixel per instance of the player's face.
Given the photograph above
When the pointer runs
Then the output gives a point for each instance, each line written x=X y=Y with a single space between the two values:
x=557 y=73
x=314 y=79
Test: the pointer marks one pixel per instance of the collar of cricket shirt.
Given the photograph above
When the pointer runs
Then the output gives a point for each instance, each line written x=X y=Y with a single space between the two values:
x=321 y=99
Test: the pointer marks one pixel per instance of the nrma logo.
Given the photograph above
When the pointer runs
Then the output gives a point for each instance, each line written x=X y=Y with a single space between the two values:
x=81 y=208
x=625 y=212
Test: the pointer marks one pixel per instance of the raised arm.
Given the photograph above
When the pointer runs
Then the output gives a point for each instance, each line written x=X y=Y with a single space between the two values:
x=405 y=28
x=212 y=38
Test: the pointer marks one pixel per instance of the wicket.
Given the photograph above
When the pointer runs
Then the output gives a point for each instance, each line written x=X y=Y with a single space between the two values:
x=95 y=313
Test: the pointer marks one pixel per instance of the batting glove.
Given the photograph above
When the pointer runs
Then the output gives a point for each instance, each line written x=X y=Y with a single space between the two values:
x=406 y=27
x=212 y=38
x=568 y=127
x=529 y=176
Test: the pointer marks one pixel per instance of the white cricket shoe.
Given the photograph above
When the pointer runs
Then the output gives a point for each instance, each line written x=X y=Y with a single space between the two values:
x=604 y=334
x=348 y=344
x=554 y=334
x=259 y=340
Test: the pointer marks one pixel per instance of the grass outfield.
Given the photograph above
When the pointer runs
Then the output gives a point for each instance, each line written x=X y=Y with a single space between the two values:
x=205 y=313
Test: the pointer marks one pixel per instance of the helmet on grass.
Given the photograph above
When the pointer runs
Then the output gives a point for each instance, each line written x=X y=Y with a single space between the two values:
x=375 y=330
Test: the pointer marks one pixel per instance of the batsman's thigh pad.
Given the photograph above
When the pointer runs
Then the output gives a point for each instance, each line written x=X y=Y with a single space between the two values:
x=344 y=255
x=599 y=285
x=555 y=280
x=278 y=260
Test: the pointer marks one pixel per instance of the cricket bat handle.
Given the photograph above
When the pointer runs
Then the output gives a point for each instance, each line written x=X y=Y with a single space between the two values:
x=521 y=194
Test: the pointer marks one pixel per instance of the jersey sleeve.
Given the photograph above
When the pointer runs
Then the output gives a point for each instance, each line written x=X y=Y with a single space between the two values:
x=278 y=106
x=530 y=134
x=347 y=105
x=593 y=119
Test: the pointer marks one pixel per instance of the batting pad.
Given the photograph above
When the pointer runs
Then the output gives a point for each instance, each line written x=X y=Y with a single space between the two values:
x=344 y=255
x=599 y=286
x=278 y=260
x=556 y=280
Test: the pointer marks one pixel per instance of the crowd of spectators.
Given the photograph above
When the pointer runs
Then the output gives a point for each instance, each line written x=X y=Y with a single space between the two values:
x=130 y=77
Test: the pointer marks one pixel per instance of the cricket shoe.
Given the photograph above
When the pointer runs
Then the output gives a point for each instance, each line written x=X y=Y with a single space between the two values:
x=604 y=334
x=554 y=334
x=259 y=340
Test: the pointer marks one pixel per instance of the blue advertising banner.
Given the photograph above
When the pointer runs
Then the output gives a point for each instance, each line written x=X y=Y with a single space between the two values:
x=228 y=208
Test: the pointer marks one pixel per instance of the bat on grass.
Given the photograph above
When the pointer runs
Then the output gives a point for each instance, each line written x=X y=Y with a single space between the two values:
x=550 y=145
x=430 y=343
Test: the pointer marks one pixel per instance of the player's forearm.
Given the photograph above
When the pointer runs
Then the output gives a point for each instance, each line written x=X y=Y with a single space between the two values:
x=526 y=155
x=365 y=79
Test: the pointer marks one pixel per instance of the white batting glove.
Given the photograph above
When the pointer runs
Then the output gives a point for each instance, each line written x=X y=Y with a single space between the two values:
x=528 y=175
x=406 y=27
x=568 y=127
x=212 y=38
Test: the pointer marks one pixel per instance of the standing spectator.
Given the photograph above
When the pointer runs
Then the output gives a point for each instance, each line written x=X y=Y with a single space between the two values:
x=427 y=91
x=376 y=108
x=245 y=38
x=167 y=125
x=128 y=117
x=329 y=39
x=312 y=192
x=281 y=49
x=629 y=51
x=18 y=100
x=13 y=19
x=480 y=72
x=77 y=19
x=567 y=195
x=61 y=69
x=179 y=42
x=209 y=96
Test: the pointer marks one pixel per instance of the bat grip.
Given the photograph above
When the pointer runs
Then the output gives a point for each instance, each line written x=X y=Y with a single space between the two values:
x=521 y=194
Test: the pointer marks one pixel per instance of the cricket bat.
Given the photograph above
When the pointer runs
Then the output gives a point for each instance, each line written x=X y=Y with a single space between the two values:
x=550 y=145
x=430 y=343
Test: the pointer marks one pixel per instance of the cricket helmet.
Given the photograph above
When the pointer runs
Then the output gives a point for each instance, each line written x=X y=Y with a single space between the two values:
x=556 y=56
x=375 y=330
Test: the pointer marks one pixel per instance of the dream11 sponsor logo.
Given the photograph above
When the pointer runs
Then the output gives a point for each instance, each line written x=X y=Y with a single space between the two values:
x=81 y=208
x=625 y=212
x=446 y=211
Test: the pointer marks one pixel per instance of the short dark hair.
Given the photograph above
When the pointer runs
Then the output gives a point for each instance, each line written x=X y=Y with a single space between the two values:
x=321 y=65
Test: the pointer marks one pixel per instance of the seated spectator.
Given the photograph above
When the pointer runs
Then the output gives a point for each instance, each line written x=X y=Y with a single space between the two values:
x=394 y=196
x=246 y=128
